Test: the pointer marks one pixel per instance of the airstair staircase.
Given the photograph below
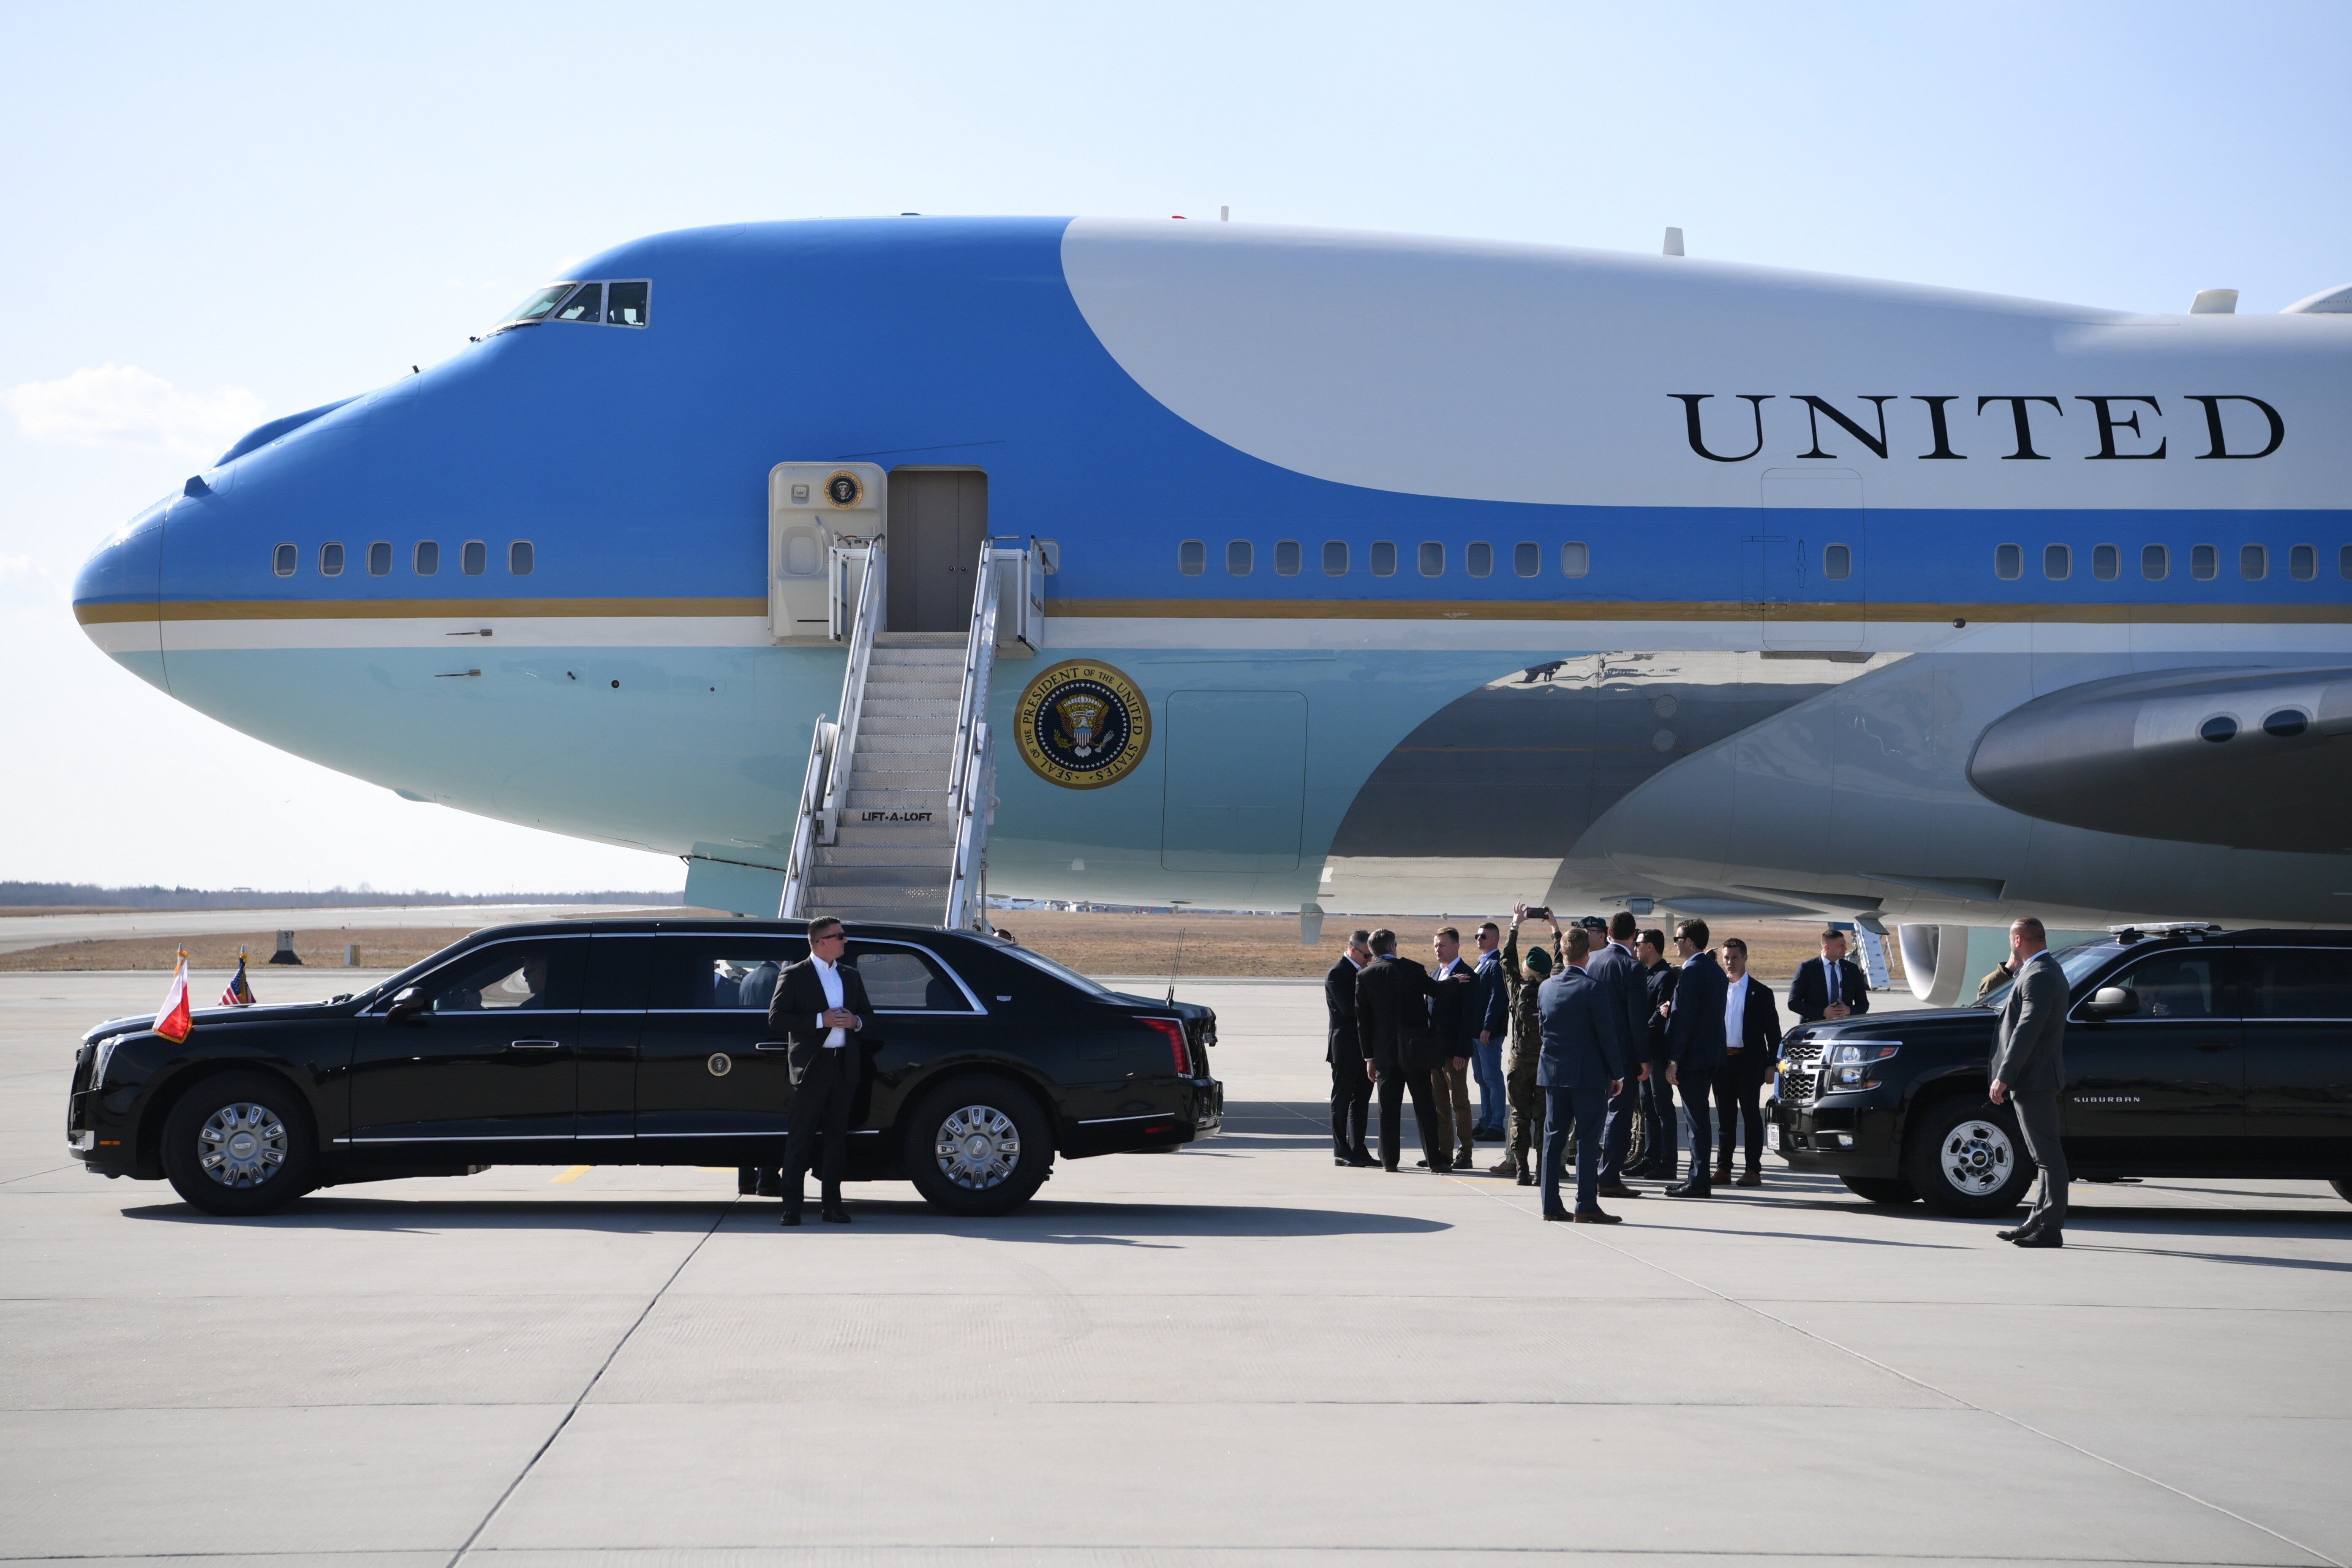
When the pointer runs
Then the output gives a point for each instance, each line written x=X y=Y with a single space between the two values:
x=894 y=806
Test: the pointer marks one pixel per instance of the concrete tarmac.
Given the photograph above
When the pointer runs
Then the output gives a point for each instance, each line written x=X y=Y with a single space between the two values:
x=1238 y=1353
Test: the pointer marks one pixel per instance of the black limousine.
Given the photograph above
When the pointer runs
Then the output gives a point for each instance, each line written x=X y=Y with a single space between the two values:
x=2190 y=1051
x=644 y=1042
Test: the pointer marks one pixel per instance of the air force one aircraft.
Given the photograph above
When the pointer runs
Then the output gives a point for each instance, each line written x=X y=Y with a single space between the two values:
x=1304 y=569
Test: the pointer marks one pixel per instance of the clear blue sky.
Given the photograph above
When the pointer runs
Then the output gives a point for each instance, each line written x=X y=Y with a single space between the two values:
x=247 y=210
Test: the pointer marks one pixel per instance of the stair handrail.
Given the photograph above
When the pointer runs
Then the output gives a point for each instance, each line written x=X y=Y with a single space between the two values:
x=966 y=891
x=870 y=590
x=979 y=663
x=967 y=767
x=802 y=860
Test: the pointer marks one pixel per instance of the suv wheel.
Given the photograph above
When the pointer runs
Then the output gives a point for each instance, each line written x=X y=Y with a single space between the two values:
x=1967 y=1158
x=977 y=1146
x=1892 y=1191
x=241 y=1144
x=2342 y=1185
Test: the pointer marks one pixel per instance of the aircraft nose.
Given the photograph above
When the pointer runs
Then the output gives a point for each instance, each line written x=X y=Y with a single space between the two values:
x=117 y=595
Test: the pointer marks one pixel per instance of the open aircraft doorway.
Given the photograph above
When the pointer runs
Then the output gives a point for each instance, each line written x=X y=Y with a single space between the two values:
x=936 y=519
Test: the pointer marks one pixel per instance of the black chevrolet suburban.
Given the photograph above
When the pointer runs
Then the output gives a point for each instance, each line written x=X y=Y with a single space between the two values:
x=2190 y=1051
x=641 y=1043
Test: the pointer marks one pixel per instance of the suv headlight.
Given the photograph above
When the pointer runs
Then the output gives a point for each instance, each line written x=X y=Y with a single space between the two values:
x=1855 y=1066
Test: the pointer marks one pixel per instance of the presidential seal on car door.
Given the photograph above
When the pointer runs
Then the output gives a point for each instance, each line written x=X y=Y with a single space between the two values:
x=1082 y=724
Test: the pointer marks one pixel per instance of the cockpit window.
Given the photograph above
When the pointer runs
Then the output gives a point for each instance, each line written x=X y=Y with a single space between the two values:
x=537 y=307
x=587 y=305
x=625 y=303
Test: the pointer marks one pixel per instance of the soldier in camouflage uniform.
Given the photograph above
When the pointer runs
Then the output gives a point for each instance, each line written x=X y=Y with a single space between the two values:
x=1526 y=1046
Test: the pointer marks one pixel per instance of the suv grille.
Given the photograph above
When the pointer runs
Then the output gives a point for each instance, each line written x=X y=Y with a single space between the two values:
x=1796 y=1077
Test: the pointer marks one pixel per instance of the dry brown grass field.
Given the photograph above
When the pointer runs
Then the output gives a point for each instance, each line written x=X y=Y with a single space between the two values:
x=317 y=949
x=1252 y=945
x=1195 y=944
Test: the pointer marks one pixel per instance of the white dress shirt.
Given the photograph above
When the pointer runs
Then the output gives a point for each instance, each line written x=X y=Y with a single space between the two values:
x=1735 y=1014
x=829 y=977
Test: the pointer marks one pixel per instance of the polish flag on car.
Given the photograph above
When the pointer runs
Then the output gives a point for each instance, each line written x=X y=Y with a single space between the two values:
x=174 y=1019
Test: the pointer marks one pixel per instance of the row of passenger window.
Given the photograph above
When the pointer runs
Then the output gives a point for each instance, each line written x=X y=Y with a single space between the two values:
x=1290 y=556
x=424 y=560
x=2156 y=562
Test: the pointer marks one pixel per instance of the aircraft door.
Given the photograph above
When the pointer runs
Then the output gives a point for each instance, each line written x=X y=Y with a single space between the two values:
x=1803 y=572
x=938 y=519
x=811 y=508
x=1236 y=780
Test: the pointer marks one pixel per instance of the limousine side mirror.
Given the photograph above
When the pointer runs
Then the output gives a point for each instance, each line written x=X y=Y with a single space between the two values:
x=407 y=1002
x=2112 y=1001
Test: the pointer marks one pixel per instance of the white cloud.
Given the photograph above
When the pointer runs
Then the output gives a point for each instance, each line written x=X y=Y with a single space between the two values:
x=25 y=581
x=121 y=405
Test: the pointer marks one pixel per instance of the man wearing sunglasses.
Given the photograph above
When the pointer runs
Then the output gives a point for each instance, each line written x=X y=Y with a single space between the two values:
x=820 y=1009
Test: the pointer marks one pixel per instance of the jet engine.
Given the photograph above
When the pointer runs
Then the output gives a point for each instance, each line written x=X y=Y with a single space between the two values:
x=2250 y=759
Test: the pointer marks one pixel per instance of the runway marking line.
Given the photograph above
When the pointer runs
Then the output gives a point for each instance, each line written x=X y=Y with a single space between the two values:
x=573 y=1174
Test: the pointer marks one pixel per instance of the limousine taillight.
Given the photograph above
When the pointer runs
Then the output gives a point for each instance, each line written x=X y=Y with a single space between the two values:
x=1174 y=1030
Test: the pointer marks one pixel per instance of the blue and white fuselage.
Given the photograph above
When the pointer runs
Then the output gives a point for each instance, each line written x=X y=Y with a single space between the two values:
x=1453 y=573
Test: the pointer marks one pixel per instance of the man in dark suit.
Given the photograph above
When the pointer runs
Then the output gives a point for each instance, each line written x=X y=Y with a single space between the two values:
x=1351 y=1086
x=1751 y=1048
x=1694 y=1046
x=1659 y=1143
x=1392 y=1030
x=1830 y=986
x=1490 y=1025
x=2028 y=1067
x=1619 y=974
x=820 y=1011
x=1449 y=1020
x=1582 y=1067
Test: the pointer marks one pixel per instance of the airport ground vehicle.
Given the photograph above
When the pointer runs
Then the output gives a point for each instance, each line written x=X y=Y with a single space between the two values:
x=2190 y=1052
x=644 y=1042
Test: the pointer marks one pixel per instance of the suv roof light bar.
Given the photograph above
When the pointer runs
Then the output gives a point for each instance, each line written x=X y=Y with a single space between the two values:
x=2128 y=934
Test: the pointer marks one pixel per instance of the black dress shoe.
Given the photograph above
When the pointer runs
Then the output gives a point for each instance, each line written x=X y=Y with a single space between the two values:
x=1391 y=1170
x=2010 y=1235
x=1527 y=1178
x=1618 y=1190
x=1558 y=1214
x=1690 y=1190
x=1363 y=1157
x=792 y=1217
x=2047 y=1235
x=1422 y=1164
x=835 y=1216
x=1594 y=1216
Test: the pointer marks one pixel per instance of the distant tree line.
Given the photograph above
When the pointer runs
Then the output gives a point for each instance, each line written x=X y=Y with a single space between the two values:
x=87 y=894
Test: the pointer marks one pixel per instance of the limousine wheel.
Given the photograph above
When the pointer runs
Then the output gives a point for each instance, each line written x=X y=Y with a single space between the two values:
x=977 y=1146
x=240 y=1143
x=2342 y=1185
x=1891 y=1190
x=1967 y=1158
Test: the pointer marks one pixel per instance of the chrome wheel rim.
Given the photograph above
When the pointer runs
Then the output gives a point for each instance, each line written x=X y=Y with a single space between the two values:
x=241 y=1146
x=978 y=1148
x=1978 y=1158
